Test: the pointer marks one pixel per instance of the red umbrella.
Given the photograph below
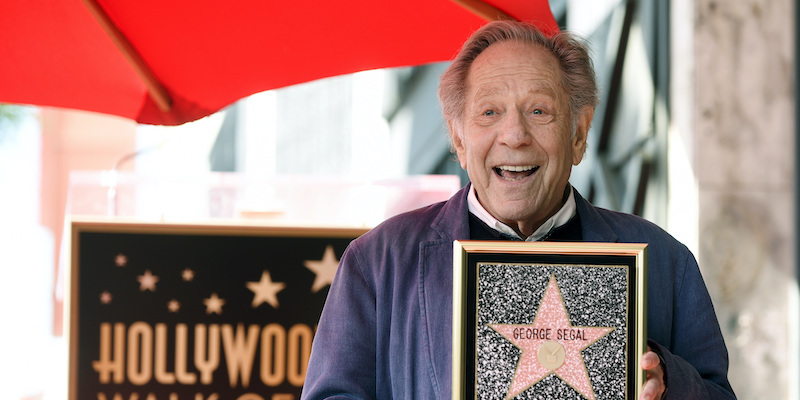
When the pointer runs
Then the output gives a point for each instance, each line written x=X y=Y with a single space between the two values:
x=170 y=62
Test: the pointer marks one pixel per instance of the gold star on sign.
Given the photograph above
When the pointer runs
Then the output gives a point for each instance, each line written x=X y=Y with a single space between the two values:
x=174 y=306
x=551 y=345
x=325 y=269
x=187 y=275
x=105 y=297
x=147 y=281
x=266 y=291
x=214 y=304
x=121 y=260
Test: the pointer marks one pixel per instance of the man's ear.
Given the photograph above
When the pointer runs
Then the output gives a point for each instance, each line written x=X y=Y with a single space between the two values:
x=458 y=144
x=581 y=135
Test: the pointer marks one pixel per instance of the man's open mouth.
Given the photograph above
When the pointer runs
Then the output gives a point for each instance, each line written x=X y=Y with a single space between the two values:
x=515 y=172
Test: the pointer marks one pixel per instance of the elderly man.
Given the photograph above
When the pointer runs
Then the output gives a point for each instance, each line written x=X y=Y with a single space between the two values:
x=519 y=106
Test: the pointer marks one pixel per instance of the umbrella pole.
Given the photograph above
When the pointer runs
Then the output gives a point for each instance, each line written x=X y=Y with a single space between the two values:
x=484 y=10
x=157 y=91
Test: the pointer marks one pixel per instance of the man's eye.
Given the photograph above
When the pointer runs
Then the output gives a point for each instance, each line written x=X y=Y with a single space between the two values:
x=489 y=112
x=538 y=112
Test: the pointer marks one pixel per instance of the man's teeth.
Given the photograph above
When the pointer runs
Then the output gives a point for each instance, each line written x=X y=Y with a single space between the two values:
x=515 y=173
x=518 y=168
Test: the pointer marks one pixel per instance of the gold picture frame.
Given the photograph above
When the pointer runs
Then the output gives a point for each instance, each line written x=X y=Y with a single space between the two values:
x=561 y=319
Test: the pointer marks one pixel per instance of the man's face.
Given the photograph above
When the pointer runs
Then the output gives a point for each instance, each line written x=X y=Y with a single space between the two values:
x=515 y=140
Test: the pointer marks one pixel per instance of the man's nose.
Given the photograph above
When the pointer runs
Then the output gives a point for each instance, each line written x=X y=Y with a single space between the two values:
x=515 y=130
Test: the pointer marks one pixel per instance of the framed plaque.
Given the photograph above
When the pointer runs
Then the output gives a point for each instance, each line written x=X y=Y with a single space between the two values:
x=547 y=320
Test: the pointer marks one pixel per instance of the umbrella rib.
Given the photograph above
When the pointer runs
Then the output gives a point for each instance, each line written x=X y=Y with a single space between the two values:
x=157 y=91
x=484 y=10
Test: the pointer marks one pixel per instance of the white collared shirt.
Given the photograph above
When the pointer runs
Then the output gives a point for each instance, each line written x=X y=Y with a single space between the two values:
x=563 y=216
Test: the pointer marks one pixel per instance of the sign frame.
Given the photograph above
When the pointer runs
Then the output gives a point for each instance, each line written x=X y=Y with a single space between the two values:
x=540 y=261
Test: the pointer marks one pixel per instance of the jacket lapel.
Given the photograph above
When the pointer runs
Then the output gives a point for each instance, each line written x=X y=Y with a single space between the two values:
x=436 y=288
x=594 y=228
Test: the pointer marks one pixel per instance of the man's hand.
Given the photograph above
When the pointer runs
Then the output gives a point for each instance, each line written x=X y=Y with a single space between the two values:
x=654 y=386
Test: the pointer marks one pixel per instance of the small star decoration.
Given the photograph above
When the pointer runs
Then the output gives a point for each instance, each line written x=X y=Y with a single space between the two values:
x=266 y=291
x=325 y=269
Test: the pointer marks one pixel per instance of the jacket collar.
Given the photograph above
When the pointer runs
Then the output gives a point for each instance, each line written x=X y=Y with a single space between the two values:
x=452 y=222
x=594 y=227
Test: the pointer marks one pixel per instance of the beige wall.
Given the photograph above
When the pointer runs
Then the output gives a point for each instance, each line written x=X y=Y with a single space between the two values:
x=76 y=140
x=733 y=101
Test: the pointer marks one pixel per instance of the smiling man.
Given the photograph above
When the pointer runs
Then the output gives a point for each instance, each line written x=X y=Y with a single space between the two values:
x=519 y=106
x=516 y=137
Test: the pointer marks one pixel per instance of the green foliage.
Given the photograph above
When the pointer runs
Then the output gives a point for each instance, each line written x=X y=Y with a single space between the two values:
x=10 y=117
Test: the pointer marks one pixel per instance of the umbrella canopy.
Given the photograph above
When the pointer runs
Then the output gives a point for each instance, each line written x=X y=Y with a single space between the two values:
x=170 y=62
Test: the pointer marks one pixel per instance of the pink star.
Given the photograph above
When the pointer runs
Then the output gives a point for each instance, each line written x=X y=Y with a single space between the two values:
x=551 y=345
x=187 y=275
x=105 y=297
x=121 y=260
x=147 y=281
x=173 y=306
x=214 y=304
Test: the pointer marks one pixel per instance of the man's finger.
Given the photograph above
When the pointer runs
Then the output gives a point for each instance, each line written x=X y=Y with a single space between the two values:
x=650 y=390
x=649 y=360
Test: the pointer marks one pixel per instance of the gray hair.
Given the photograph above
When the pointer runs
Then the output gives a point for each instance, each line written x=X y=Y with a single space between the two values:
x=577 y=71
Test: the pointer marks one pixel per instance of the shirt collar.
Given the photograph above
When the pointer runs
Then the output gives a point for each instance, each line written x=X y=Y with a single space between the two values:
x=560 y=218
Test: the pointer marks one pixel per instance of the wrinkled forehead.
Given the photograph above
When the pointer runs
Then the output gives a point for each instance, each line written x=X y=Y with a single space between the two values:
x=517 y=66
x=532 y=86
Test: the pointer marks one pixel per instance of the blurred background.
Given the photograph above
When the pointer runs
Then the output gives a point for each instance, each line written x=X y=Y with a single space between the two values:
x=695 y=132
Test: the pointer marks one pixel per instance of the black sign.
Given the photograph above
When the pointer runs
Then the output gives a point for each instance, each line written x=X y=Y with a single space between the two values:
x=196 y=312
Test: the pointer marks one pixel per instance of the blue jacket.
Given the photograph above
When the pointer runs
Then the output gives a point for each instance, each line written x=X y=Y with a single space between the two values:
x=385 y=330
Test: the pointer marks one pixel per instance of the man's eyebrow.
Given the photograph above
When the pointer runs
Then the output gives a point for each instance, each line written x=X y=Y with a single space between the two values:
x=542 y=88
x=487 y=90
